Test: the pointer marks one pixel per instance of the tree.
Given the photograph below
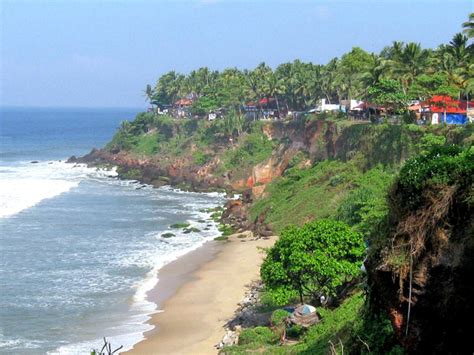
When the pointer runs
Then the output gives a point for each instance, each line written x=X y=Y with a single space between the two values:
x=408 y=62
x=350 y=69
x=388 y=93
x=469 y=26
x=149 y=92
x=273 y=87
x=168 y=87
x=313 y=260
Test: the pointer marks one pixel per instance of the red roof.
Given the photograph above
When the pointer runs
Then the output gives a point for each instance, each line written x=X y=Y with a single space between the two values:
x=440 y=103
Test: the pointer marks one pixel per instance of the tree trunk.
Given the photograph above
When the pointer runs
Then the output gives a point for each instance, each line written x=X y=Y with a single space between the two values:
x=278 y=105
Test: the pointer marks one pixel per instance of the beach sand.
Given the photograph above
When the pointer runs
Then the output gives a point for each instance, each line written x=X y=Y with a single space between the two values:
x=200 y=292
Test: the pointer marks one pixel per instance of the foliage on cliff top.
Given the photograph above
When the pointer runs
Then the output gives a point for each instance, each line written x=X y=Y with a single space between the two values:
x=442 y=165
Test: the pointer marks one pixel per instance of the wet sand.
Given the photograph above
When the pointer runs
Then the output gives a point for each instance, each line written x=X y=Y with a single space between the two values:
x=199 y=293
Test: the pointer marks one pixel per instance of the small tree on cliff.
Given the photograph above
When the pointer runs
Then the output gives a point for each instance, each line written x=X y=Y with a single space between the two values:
x=313 y=260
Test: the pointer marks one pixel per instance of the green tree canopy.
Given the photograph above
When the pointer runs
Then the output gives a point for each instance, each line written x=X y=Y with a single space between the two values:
x=314 y=259
x=388 y=93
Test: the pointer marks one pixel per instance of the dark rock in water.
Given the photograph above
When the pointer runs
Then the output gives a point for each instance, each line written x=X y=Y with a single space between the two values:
x=34 y=162
x=72 y=159
x=180 y=225
x=167 y=235
x=50 y=162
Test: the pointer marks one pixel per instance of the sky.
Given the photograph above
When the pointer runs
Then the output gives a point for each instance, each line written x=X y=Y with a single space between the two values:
x=103 y=53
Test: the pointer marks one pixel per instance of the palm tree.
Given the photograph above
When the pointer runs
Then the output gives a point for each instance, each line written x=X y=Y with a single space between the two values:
x=411 y=62
x=459 y=49
x=274 y=86
x=329 y=72
x=469 y=26
x=149 y=92
x=376 y=70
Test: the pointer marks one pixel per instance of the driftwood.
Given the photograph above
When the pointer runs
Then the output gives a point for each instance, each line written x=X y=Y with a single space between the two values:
x=106 y=349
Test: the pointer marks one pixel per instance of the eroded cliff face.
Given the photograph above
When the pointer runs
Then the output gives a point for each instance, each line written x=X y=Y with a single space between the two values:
x=422 y=273
x=317 y=140
x=312 y=139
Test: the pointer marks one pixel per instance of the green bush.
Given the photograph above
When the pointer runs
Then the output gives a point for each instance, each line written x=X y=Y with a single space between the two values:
x=200 y=158
x=226 y=229
x=279 y=316
x=442 y=165
x=260 y=335
x=366 y=205
x=295 y=331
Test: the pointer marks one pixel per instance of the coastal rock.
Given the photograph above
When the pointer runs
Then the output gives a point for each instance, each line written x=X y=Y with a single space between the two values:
x=230 y=338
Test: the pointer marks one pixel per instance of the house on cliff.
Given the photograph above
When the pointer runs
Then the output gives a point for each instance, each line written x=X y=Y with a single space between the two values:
x=444 y=109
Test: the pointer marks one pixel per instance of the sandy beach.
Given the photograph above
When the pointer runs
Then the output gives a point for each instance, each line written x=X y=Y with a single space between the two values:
x=199 y=293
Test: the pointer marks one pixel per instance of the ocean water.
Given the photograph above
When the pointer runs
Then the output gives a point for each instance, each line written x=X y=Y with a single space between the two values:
x=79 y=249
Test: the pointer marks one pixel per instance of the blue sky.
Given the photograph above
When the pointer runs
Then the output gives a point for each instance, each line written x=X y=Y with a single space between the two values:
x=102 y=53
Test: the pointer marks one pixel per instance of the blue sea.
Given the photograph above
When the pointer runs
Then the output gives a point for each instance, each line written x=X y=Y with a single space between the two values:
x=79 y=249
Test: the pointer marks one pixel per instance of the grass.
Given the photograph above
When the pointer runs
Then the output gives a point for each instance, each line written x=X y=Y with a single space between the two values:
x=146 y=144
x=300 y=195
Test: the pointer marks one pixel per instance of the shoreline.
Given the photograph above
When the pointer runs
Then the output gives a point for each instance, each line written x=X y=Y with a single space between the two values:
x=195 y=298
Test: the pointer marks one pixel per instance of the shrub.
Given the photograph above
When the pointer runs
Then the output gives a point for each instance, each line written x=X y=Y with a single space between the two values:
x=366 y=206
x=261 y=335
x=279 y=316
x=442 y=165
x=295 y=331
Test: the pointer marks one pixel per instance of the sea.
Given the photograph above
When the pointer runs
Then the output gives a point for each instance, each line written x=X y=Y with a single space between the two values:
x=79 y=248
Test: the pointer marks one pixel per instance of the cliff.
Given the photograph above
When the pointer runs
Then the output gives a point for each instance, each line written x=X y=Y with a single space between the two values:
x=261 y=159
x=421 y=262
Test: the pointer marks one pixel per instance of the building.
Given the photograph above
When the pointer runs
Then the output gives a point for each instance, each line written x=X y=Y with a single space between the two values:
x=444 y=109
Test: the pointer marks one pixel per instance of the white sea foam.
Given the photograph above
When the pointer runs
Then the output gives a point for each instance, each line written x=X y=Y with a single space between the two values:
x=155 y=255
x=26 y=184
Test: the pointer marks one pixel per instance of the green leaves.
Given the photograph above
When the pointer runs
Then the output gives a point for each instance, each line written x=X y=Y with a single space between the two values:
x=314 y=259
x=388 y=93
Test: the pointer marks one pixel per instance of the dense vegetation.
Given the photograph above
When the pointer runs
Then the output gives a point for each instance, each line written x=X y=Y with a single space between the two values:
x=400 y=72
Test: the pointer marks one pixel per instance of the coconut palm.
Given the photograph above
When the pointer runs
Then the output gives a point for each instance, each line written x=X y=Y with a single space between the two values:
x=149 y=92
x=376 y=69
x=409 y=63
x=329 y=72
x=469 y=26
x=273 y=87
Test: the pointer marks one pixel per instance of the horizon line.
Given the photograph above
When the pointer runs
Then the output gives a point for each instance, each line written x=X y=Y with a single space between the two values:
x=71 y=107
